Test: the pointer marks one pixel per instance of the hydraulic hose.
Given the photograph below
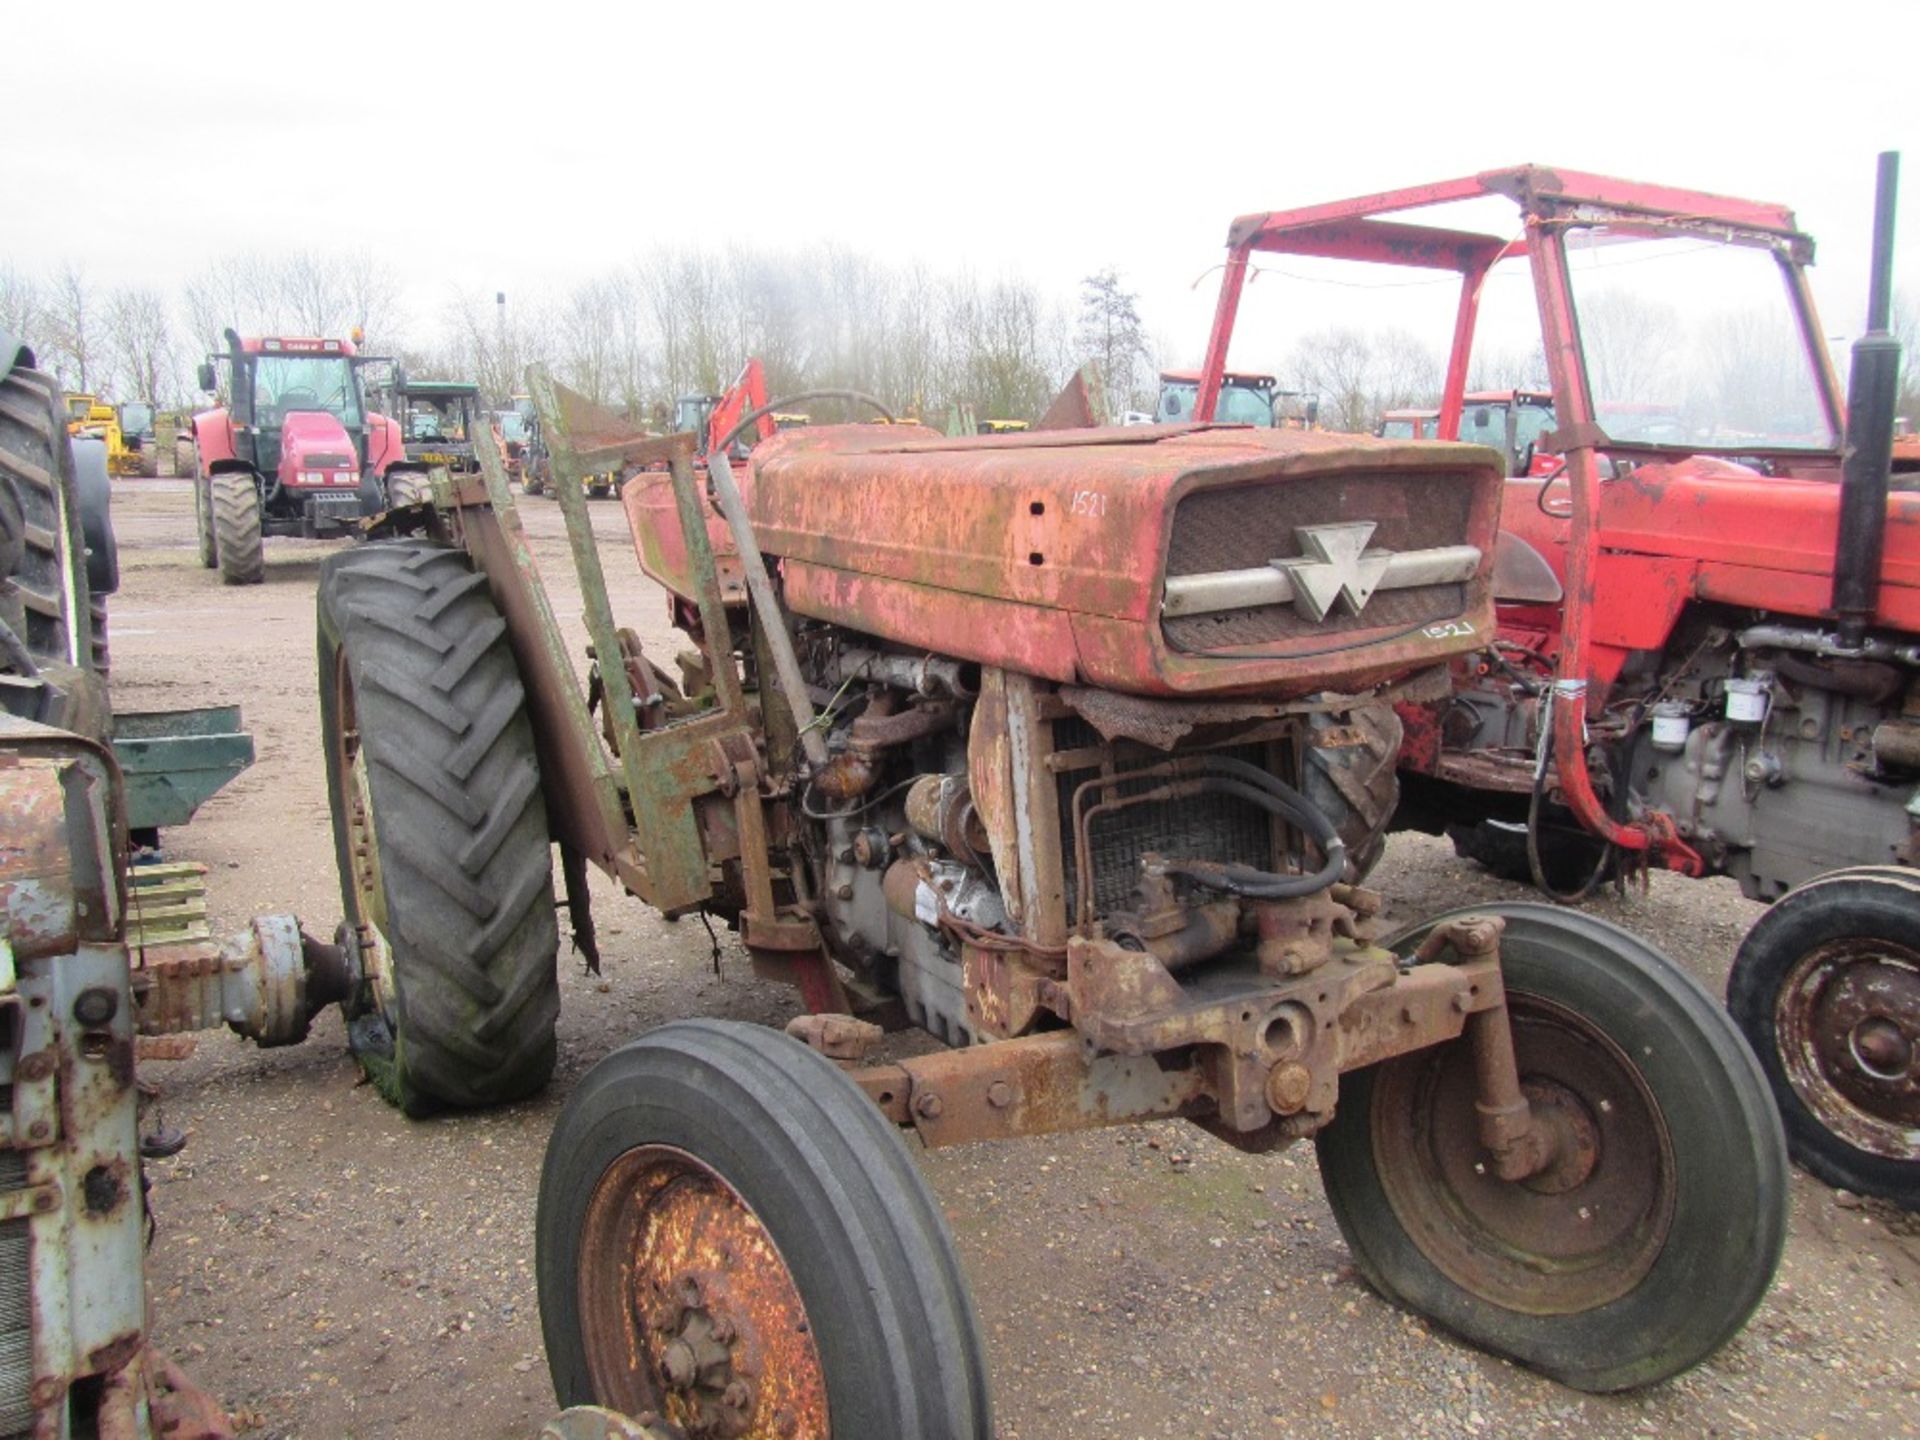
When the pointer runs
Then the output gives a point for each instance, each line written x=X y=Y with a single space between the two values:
x=1248 y=881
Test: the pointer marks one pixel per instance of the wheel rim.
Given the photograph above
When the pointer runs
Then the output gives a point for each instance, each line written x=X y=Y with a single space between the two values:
x=687 y=1307
x=369 y=920
x=1580 y=1234
x=1848 y=1027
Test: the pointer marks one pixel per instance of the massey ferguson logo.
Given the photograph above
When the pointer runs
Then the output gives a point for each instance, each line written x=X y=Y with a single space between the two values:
x=1336 y=567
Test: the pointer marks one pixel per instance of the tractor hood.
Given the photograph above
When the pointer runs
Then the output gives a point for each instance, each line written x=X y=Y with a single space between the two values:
x=316 y=451
x=1157 y=560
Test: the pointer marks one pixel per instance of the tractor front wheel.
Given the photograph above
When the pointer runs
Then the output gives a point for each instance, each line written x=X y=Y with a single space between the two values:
x=732 y=1237
x=1648 y=1239
x=233 y=497
x=1826 y=988
x=439 y=828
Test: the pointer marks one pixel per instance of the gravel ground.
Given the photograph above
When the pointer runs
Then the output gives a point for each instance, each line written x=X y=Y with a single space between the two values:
x=332 y=1270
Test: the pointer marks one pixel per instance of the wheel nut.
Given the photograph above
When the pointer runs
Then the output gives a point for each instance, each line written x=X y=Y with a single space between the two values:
x=679 y=1364
x=928 y=1106
x=723 y=1330
x=737 y=1396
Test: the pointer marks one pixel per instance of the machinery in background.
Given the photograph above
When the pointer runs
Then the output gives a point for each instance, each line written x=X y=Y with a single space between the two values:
x=1707 y=653
x=294 y=451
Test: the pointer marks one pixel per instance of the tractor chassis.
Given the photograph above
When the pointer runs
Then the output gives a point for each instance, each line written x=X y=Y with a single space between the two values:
x=1251 y=1049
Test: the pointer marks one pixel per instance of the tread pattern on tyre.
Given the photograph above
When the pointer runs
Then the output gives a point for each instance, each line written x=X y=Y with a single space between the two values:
x=234 y=498
x=459 y=819
x=1357 y=786
x=34 y=455
x=817 y=1161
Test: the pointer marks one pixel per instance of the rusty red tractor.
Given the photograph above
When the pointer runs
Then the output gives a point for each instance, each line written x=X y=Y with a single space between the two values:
x=979 y=749
x=1708 y=614
x=295 y=451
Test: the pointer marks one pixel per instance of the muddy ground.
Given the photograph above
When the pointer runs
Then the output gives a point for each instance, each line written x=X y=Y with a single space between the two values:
x=333 y=1270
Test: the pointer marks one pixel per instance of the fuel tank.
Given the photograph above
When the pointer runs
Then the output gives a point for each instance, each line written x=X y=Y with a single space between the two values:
x=1154 y=560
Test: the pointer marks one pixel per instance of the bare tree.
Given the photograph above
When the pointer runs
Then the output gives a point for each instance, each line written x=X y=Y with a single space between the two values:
x=72 y=330
x=147 y=361
x=22 y=308
x=1906 y=329
x=1406 y=372
x=1337 y=364
x=1630 y=343
x=1110 y=334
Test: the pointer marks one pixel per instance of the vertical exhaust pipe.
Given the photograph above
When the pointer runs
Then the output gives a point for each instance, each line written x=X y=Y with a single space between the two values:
x=1867 y=462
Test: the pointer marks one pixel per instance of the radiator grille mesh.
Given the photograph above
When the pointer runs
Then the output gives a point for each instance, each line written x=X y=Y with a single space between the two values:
x=1243 y=527
x=16 y=1310
x=1213 y=828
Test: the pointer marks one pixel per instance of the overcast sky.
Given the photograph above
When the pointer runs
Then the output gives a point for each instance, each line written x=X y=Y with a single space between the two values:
x=479 y=147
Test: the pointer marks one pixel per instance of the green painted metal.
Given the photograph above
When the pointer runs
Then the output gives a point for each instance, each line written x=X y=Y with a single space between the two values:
x=175 y=760
x=597 y=610
x=581 y=738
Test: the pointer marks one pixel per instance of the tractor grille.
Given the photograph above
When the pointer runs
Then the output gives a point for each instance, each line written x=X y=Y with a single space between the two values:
x=16 y=1310
x=1244 y=527
x=1213 y=827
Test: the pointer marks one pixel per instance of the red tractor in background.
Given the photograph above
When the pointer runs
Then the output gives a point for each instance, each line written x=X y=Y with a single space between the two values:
x=295 y=451
x=1708 y=646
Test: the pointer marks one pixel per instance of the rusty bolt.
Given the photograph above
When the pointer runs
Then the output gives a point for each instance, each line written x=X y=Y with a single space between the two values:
x=927 y=1105
x=843 y=892
x=37 y=1066
x=723 y=1331
x=1477 y=934
x=39 y=1130
x=1287 y=1087
x=785 y=1423
x=737 y=1396
x=679 y=1364
x=45 y=1200
x=999 y=1094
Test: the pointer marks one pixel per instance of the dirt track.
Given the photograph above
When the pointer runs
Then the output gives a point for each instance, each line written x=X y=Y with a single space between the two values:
x=332 y=1270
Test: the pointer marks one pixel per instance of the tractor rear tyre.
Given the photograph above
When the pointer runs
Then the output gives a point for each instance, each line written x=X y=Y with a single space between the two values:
x=408 y=487
x=439 y=828
x=203 y=522
x=1349 y=774
x=234 y=500
x=717 y=1193
x=185 y=464
x=1654 y=1233
x=1826 y=988
x=150 y=461
x=45 y=545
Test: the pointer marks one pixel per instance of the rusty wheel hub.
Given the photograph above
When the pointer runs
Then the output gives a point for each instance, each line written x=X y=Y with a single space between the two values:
x=1581 y=1232
x=689 y=1311
x=1848 y=1021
